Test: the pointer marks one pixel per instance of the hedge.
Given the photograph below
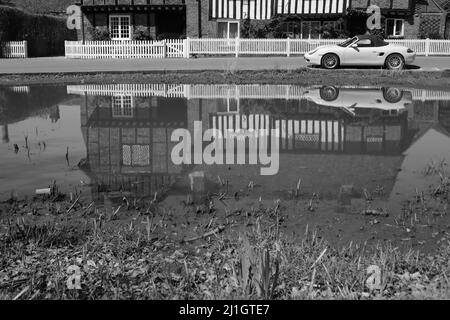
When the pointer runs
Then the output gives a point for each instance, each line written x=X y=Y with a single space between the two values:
x=45 y=34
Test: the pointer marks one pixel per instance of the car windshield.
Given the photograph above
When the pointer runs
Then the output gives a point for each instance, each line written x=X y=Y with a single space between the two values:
x=347 y=42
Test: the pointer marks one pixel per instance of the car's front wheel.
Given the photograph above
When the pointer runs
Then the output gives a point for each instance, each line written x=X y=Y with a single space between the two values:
x=395 y=61
x=329 y=93
x=330 y=61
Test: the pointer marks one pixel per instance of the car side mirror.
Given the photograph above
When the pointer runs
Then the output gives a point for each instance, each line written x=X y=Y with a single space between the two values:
x=354 y=45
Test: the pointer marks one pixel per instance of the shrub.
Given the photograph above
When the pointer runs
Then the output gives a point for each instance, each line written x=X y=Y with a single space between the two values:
x=100 y=34
x=141 y=33
x=252 y=29
x=328 y=31
x=45 y=34
x=423 y=34
x=169 y=35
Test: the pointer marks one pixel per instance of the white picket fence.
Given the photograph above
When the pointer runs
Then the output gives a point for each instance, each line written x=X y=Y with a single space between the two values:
x=14 y=49
x=125 y=49
x=184 y=48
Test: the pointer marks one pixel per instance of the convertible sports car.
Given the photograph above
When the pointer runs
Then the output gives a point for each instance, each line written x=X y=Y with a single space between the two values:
x=364 y=50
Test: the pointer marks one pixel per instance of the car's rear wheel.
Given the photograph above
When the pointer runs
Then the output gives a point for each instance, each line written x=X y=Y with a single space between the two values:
x=392 y=95
x=395 y=61
x=330 y=61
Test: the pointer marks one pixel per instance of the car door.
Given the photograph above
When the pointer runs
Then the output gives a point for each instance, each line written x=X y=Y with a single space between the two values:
x=362 y=52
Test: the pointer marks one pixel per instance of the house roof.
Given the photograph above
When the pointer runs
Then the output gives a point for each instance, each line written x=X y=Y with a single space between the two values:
x=435 y=126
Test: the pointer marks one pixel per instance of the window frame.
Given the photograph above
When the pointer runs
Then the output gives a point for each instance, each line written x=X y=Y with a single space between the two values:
x=119 y=16
x=395 y=28
x=309 y=22
x=370 y=45
x=292 y=30
x=132 y=154
x=122 y=114
x=228 y=22
x=229 y=105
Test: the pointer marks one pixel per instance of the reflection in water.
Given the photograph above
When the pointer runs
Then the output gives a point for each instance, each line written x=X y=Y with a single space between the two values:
x=328 y=136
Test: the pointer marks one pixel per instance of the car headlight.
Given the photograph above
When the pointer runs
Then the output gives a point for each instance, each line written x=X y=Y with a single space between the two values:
x=410 y=50
x=312 y=52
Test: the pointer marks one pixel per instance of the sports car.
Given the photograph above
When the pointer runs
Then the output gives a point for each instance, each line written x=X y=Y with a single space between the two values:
x=364 y=50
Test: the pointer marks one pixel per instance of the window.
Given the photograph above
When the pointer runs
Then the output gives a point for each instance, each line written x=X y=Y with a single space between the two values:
x=228 y=29
x=364 y=43
x=136 y=155
x=310 y=29
x=374 y=143
x=333 y=24
x=120 y=27
x=122 y=107
x=228 y=105
x=395 y=27
x=245 y=9
x=293 y=30
x=348 y=42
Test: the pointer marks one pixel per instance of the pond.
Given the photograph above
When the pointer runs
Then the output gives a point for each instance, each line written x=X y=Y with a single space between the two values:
x=337 y=146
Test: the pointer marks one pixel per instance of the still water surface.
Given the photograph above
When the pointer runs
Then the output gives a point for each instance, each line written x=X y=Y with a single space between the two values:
x=109 y=138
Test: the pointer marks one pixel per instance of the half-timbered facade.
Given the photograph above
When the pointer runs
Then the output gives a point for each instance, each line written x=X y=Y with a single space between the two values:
x=158 y=19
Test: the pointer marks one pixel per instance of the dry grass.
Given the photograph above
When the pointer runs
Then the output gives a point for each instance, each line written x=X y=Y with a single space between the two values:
x=128 y=264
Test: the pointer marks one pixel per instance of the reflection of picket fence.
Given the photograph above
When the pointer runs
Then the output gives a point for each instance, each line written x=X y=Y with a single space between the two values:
x=224 y=91
x=179 y=48
x=14 y=49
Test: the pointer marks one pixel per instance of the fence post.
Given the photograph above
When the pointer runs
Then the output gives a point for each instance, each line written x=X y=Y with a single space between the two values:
x=164 y=48
x=288 y=47
x=25 y=48
x=237 y=47
x=187 y=48
x=427 y=47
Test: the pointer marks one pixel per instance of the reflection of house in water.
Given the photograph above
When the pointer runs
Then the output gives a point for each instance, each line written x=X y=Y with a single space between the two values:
x=431 y=144
x=128 y=141
x=128 y=127
x=324 y=146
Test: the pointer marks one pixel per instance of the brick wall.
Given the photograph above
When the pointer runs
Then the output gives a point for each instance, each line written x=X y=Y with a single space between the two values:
x=447 y=27
x=383 y=4
x=208 y=27
x=412 y=27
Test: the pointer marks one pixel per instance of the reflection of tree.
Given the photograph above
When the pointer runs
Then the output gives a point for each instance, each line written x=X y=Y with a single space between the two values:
x=54 y=114
x=2 y=106
x=18 y=106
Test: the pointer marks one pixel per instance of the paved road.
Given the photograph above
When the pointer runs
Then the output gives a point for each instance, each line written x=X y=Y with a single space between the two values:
x=63 y=65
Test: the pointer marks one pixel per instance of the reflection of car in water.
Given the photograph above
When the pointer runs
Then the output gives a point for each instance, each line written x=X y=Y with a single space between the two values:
x=392 y=101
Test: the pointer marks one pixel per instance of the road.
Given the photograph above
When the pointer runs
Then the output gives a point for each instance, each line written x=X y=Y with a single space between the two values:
x=63 y=65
